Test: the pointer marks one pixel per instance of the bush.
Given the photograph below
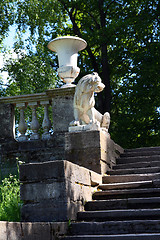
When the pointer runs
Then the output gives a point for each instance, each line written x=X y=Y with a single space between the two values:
x=10 y=203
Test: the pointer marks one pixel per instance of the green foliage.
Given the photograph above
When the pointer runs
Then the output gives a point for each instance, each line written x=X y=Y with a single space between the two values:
x=29 y=74
x=7 y=8
x=136 y=101
x=10 y=203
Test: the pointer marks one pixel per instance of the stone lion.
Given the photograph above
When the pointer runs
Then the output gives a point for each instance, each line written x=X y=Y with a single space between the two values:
x=84 y=111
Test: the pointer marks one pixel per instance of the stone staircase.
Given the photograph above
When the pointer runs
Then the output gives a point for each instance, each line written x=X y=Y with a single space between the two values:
x=127 y=204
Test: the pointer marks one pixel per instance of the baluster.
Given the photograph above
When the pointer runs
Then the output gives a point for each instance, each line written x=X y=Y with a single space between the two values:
x=46 y=121
x=34 y=123
x=22 y=127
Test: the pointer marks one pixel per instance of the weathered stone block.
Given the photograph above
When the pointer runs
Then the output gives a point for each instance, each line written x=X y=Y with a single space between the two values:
x=7 y=120
x=32 y=230
x=35 y=172
x=10 y=231
x=3 y=231
x=55 y=190
x=42 y=190
x=62 y=109
x=45 y=211
x=91 y=149
x=113 y=152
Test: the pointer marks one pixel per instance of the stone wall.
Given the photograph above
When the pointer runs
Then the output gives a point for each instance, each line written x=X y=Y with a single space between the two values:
x=12 y=152
x=91 y=149
x=32 y=231
x=56 y=190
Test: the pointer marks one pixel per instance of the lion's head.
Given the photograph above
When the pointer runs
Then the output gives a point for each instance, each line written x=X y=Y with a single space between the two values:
x=86 y=87
x=90 y=83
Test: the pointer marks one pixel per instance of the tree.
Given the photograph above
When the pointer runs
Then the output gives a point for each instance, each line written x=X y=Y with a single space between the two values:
x=7 y=17
x=30 y=74
x=123 y=40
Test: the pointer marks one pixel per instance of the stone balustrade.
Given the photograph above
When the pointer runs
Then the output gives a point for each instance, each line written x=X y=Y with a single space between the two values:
x=61 y=101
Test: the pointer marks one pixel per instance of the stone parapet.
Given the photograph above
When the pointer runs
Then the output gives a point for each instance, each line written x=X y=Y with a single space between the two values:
x=32 y=231
x=61 y=101
x=37 y=97
x=55 y=191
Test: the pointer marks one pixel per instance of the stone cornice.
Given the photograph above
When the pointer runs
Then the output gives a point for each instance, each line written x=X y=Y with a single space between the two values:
x=37 y=97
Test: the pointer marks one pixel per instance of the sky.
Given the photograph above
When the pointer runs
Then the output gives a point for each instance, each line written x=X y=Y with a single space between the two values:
x=9 y=40
x=8 y=43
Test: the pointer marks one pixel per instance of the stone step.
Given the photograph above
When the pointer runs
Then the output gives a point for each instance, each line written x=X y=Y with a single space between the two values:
x=143 y=153
x=143 y=149
x=152 y=236
x=137 y=165
x=129 y=203
x=137 y=159
x=120 y=214
x=115 y=227
x=130 y=178
x=134 y=171
x=126 y=185
x=126 y=193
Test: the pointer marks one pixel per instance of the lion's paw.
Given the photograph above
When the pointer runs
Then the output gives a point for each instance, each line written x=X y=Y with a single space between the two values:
x=74 y=123
x=93 y=121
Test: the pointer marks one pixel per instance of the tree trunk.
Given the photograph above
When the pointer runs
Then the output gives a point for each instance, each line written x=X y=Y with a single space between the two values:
x=105 y=96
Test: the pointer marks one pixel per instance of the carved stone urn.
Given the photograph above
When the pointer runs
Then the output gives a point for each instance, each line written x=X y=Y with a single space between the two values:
x=67 y=48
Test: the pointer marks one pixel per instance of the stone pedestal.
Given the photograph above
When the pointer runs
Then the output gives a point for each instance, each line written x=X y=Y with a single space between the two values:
x=7 y=122
x=92 y=149
x=62 y=108
x=55 y=191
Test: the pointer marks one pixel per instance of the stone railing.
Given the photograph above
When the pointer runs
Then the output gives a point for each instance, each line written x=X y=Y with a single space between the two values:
x=61 y=101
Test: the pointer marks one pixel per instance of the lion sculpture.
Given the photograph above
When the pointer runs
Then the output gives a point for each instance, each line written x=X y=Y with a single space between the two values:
x=84 y=111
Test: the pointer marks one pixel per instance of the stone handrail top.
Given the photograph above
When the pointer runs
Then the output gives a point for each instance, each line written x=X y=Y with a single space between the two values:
x=37 y=97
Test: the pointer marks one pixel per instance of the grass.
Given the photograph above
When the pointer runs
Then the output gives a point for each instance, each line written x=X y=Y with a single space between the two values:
x=10 y=203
